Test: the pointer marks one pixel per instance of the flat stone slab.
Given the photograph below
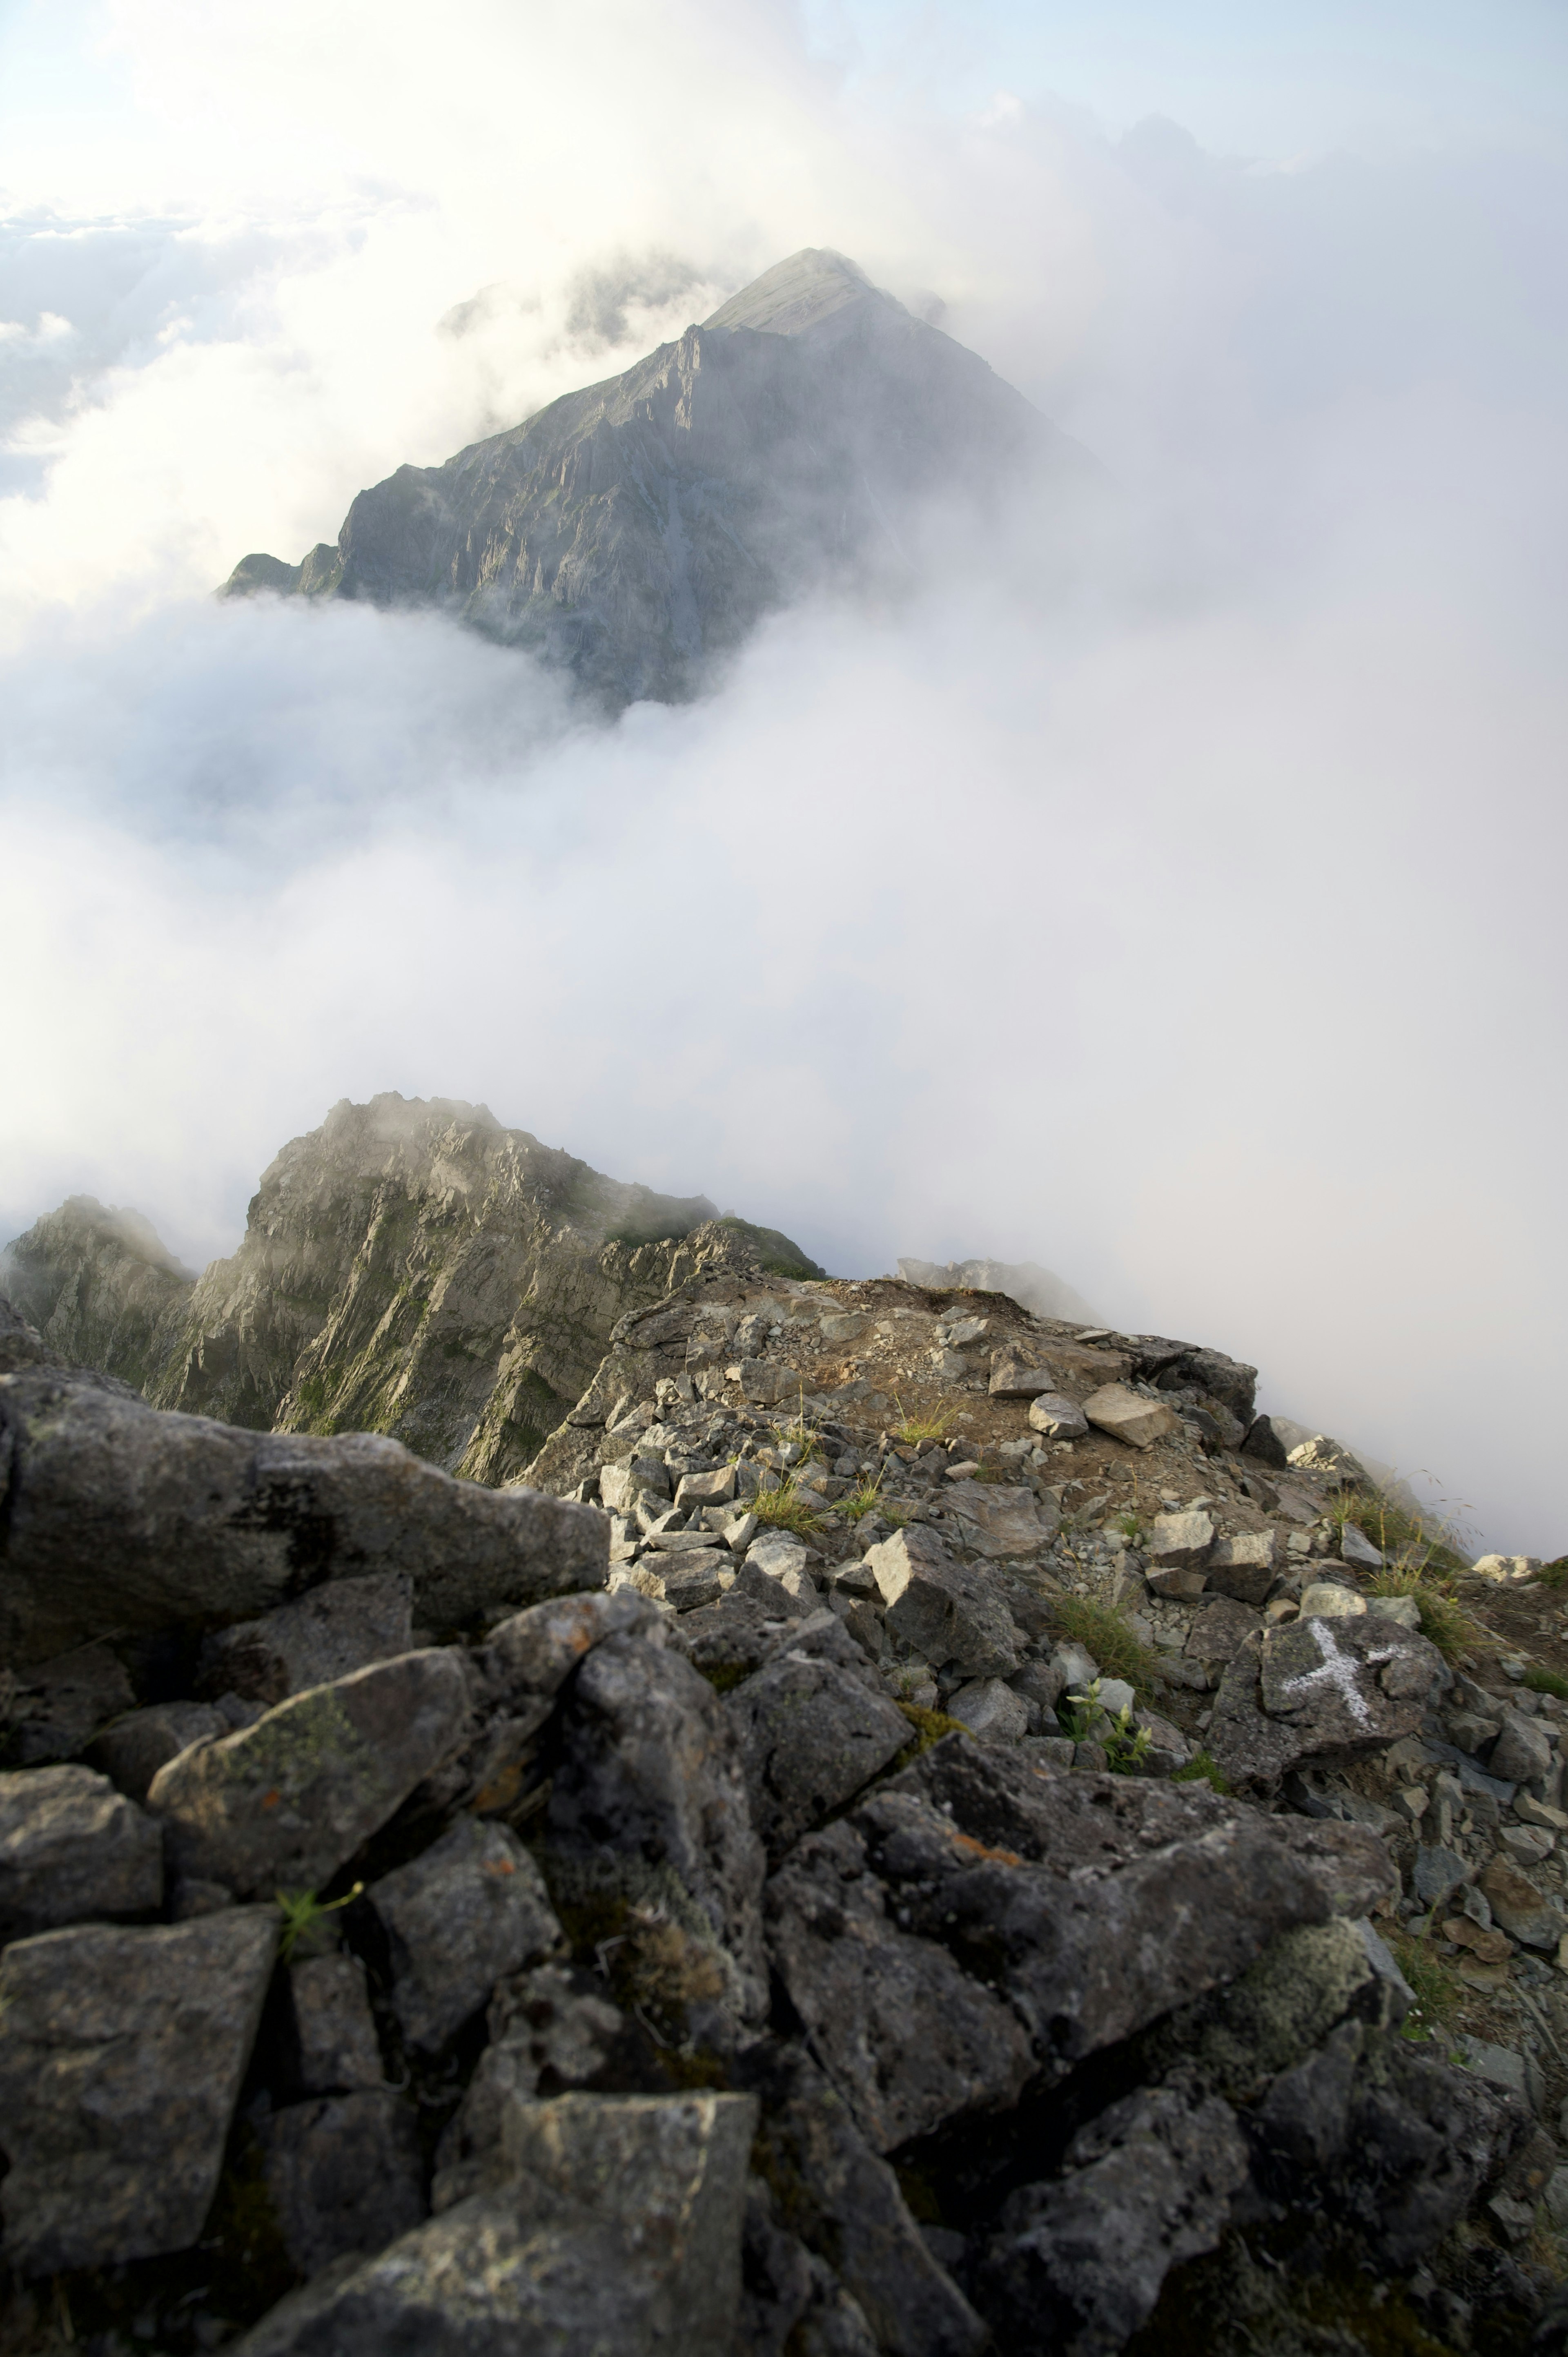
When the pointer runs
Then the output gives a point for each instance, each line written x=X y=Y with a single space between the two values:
x=122 y=2051
x=1127 y=1416
x=284 y=1803
x=72 y=1847
x=999 y=1518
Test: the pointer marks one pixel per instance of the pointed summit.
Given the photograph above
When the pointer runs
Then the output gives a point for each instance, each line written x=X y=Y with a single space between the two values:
x=799 y=294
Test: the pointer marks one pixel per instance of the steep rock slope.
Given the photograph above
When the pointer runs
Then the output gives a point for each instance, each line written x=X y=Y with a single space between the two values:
x=100 y=1286
x=410 y=1267
x=631 y=531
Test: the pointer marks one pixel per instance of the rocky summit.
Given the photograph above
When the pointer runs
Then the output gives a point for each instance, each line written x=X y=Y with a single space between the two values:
x=631 y=533
x=910 y=1824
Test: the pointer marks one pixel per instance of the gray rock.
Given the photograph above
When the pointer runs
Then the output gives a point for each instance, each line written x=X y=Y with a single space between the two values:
x=132 y=1751
x=621 y=1486
x=650 y=1770
x=945 y=1611
x=123 y=1516
x=284 y=1803
x=1220 y=1629
x=1402 y=1608
x=467 y=1910
x=345 y=2175
x=71 y=1847
x=1521 y=1907
x=121 y=2057
x=998 y=1519
x=991 y=1709
x=53 y=1711
x=747 y=1625
x=1320 y=1692
x=1437 y=1874
x=1079 y=2261
x=334 y=1630
x=980 y=1920
x=1522 y=1753
x=811 y=1733
x=1392 y=2144
x=1057 y=1418
x=1357 y=1549
x=844 y=2204
x=1328 y=1600
x=714 y=1489
x=1181 y=1541
x=1281 y=2009
x=551 y=2031
x=1126 y=1416
x=1244 y=1567
x=619 y=2231
x=515 y=1678
x=336 y=2048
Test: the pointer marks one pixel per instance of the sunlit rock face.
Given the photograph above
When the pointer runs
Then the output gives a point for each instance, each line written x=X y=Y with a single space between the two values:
x=633 y=531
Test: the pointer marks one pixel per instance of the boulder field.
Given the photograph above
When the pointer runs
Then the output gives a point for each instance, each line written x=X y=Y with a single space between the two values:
x=914 y=1827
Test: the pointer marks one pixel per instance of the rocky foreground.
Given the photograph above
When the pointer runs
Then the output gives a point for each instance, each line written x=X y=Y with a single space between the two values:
x=916 y=1827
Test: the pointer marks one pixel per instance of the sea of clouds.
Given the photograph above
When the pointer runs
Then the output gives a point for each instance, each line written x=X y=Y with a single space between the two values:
x=1176 y=905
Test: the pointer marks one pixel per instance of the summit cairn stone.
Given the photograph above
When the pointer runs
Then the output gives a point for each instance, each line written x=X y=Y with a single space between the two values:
x=1126 y=1416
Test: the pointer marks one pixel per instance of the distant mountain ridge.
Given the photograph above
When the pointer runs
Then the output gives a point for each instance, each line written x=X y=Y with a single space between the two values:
x=631 y=533
x=410 y=1267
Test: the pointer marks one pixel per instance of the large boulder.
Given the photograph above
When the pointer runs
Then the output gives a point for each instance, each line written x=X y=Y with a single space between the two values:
x=121 y=2057
x=980 y=1921
x=811 y=1733
x=282 y=1805
x=121 y=1516
x=1321 y=1690
x=619 y=2229
x=1079 y=2260
x=948 y=1611
x=651 y=1773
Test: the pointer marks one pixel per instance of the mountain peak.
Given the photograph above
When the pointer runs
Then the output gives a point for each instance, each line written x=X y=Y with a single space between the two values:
x=799 y=294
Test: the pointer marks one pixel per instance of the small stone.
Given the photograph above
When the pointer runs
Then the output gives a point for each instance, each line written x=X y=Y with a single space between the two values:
x=1522 y=1753
x=1357 y=1549
x=1127 y=1417
x=70 y=1848
x=1243 y=1565
x=285 y=1803
x=56 y=1708
x=1057 y=1416
x=1520 y=1907
x=345 y=2175
x=1180 y=1541
x=1436 y=1874
x=121 y=2057
x=468 y=1909
x=1221 y=1630
x=336 y=2048
x=999 y=1519
x=991 y=1710
x=1404 y=1610
x=1325 y=1599
x=1184 y=1585
x=1532 y=1812
x=716 y=1489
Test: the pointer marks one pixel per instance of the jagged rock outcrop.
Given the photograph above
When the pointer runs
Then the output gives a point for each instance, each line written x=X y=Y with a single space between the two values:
x=634 y=531
x=710 y=1956
x=411 y=1268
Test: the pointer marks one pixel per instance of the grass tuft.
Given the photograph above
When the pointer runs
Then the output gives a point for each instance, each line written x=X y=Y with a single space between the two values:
x=933 y=1426
x=1554 y=1574
x=1437 y=1992
x=1202 y=1769
x=1547 y=1682
x=1392 y=1526
x=1443 y=1620
x=786 y=1508
x=930 y=1727
x=865 y=1500
x=1117 y=1648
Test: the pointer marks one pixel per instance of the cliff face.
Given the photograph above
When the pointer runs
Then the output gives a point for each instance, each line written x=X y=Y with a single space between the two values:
x=411 y=1268
x=631 y=532
x=100 y=1287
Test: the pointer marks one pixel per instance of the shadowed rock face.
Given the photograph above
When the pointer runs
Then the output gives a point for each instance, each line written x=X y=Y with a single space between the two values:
x=631 y=533
x=411 y=1268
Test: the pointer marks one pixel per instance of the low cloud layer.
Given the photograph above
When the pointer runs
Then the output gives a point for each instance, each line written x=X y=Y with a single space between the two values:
x=1179 y=911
